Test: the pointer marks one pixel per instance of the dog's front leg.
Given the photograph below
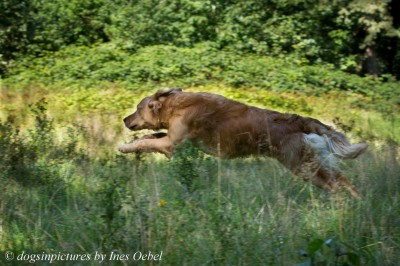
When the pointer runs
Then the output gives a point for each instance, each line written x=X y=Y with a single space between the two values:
x=162 y=145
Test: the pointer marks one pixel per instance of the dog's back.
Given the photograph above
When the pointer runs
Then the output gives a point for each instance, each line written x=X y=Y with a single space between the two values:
x=235 y=129
x=220 y=126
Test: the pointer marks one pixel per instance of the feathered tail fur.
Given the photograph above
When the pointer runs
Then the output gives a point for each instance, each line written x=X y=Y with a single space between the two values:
x=336 y=144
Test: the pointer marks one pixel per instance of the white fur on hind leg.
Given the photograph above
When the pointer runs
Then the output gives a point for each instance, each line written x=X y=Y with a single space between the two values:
x=321 y=147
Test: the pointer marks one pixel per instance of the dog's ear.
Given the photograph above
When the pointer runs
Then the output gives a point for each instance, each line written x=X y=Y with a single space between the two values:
x=166 y=92
x=154 y=105
x=155 y=102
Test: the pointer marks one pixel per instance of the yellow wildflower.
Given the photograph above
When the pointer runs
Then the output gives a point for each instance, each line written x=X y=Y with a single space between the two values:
x=162 y=203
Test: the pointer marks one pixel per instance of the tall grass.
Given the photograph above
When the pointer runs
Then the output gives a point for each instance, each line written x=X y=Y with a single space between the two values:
x=59 y=196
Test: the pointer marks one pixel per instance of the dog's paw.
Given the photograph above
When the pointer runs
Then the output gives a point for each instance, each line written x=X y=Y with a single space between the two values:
x=124 y=148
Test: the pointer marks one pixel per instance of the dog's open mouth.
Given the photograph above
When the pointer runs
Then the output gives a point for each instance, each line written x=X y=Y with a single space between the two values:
x=132 y=127
x=155 y=135
x=158 y=135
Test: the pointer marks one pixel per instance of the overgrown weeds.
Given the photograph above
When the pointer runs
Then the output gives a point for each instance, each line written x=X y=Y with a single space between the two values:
x=32 y=157
x=59 y=197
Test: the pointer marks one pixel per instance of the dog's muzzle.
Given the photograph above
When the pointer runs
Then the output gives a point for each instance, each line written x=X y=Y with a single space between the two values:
x=129 y=124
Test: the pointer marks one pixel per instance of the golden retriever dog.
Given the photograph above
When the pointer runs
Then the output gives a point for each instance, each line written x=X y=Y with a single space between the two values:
x=230 y=129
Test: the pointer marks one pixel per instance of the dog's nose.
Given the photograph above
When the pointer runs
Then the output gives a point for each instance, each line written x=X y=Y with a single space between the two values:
x=127 y=120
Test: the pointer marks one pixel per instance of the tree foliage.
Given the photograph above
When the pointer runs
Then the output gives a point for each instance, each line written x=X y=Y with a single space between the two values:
x=316 y=30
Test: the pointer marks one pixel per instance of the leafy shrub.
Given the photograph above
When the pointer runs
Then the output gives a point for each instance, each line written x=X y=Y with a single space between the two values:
x=204 y=64
x=186 y=164
x=332 y=252
x=33 y=157
x=310 y=31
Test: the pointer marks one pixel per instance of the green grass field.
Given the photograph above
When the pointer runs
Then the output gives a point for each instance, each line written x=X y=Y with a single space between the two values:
x=67 y=190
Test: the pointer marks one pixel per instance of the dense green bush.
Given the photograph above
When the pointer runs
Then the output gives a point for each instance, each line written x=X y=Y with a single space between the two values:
x=156 y=66
x=33 y=156
x=315 y=31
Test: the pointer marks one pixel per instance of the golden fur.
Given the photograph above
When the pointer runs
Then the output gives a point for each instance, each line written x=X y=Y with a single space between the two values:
x=229 y=129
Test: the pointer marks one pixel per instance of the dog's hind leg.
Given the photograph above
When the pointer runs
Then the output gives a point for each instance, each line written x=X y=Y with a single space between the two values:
x=312 y=170
x=328 y=175
x=333 y=181
x=344 y=182
x=324 y=180
x=324 y=177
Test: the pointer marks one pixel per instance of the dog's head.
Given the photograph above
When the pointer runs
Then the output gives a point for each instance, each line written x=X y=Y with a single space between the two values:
x=147 y=115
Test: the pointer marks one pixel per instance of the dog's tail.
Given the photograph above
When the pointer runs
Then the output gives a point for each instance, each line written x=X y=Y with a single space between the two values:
x=334 y=143
x=321 y=137
x=342 y=148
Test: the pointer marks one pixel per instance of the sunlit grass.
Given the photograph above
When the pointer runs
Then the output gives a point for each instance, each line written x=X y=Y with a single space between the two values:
x=257 y=213
x=195 y=208
x=102 y=110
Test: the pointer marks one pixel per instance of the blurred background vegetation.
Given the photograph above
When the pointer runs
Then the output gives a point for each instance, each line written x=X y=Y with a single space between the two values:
x=336 y=32
x=71 y=70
